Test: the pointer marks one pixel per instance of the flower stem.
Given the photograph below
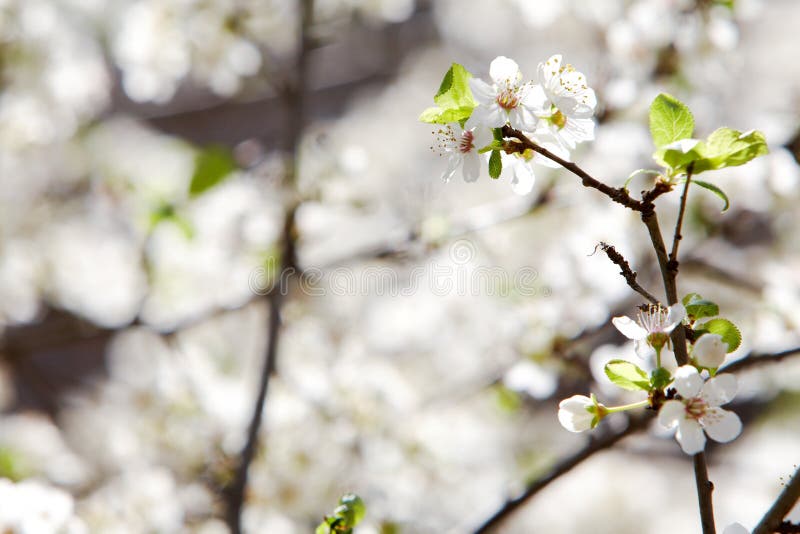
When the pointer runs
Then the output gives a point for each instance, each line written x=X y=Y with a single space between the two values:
x=625 y=407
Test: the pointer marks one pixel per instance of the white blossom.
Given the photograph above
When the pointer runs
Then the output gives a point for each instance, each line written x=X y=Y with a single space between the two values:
x=461 y=148
x=507 y=100
x=564 y=102
x=650 y=331
x=698 y=410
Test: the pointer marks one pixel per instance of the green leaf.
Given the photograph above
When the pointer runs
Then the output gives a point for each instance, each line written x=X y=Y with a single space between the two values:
x=495 y=164
x=454 y=101
x=627 y=375
x=730 y=148
x=354 y=503
x=670 y=120
x=212 y=165
x=728 y=331
x=660 y=378
x=697 y=307
x=717 y=191
x=723 y=148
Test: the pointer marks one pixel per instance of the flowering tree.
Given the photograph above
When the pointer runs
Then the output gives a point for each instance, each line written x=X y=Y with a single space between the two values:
x=681 y=344
x=234 y=294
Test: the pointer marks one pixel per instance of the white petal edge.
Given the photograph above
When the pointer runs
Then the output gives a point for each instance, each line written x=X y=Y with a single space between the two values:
x=722 y=425
x=629 y=328
x=504 y=70
x=688 y=381
x=690 y=436
x=720 y=390
x=671 y=413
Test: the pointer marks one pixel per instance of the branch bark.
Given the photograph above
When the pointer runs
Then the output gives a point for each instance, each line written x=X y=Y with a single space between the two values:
x=773 y=519
x=564 y=466
x=627 y=273
x=236 y=493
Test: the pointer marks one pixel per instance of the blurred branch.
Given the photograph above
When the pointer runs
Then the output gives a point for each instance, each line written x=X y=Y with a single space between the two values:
x=754 y=359
x=626 y=272
x=596 y=444
x=294 y=97
x=773 y=519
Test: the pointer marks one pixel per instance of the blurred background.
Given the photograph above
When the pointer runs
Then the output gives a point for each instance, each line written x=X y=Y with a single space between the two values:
x=160 y=159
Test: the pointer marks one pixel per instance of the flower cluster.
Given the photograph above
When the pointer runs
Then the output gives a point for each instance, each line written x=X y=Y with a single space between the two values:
x=689 y=397
x=555 y=113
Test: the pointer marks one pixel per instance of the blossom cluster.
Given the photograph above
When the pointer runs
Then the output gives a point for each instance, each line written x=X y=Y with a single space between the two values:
x=556 y=113
x=688 y=397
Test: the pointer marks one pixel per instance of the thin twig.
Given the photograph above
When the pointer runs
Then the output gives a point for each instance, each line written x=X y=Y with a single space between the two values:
x=627 y=273
x=564 y=466
x=754 y=359
x=673 y=255
x=619 y=195
x=236 y=493
x=782 y=506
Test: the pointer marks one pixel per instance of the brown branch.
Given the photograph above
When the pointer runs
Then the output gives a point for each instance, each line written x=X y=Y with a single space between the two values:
x=673 y=255
x=619 y=195
x=788 y=527
x=782 y=506
x=627 y=273
x=754 y=358
x=236 y=493
x=564 y=466
x=704 y=490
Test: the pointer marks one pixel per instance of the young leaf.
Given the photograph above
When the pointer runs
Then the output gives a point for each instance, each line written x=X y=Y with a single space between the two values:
x=212 y=165
x=730 y=148
x=670 y=120
x=495 y=164
x=726 y=330
x=454 y=101
x=697 y=307
x=717 y=191
x=627 y=375
x=660 y=378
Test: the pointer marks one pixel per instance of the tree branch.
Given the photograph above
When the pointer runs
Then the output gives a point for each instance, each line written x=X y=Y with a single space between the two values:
x=595 y=444
x=704 y=489
x=236 y=493
x=754 y=358
x=673 y=255
x=782 y=506
x=627 y=273
x=618 y=195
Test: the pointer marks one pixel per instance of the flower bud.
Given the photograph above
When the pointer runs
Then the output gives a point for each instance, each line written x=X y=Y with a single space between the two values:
x=579 y=413
x=709 y=351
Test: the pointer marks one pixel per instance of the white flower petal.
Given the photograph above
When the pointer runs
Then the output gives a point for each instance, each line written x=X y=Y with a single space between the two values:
x=523 y=118
x=573 y=413
x=549 y=69
x=721 y=425
x=688 y=381
x=671 y=413
x=504 y=71
x=629 y=328
x=472 y=167
x=668 y=360
x=535 y=99
x=483 y=93
x=690 y=436
x=523 y=177
x=452 y=164
x=675 y=314
x=720 y=390
x=644 y=350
